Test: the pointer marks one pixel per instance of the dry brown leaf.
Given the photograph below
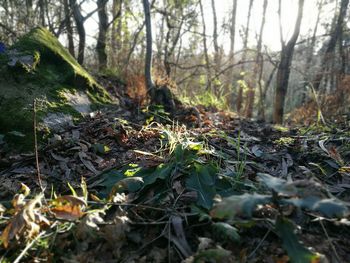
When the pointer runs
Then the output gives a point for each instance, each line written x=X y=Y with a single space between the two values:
x=26 y=222
x=68 y=212
x=333 y=153
x=68 y=207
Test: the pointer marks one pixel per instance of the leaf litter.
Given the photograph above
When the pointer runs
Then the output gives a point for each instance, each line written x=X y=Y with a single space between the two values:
x=121 y=188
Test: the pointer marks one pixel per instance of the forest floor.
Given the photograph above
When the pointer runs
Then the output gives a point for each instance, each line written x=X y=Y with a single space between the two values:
x=136 y=186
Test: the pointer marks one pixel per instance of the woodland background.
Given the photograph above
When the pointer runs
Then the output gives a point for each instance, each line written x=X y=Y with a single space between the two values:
x=207 y=55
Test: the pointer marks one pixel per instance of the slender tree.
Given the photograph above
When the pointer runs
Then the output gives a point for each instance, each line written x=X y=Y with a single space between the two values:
x=102 y=33
x=258 y=65
x=244 y=57
x=283 y=71
x=215 y=41
x=330 y=48
x=79 y=21
x=149 y=55
x=205 y=46
x=310 y=51
x=232 y=37
x=68 y=24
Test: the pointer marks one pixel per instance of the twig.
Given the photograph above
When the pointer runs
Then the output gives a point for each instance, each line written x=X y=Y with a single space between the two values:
x=260 y=243
x=330 y=241
x=36 y=148
x=20 y=256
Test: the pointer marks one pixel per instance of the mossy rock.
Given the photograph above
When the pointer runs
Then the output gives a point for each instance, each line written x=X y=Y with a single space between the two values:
x=42 y=70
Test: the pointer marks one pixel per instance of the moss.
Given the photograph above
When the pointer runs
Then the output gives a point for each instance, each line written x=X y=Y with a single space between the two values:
x=53 y=73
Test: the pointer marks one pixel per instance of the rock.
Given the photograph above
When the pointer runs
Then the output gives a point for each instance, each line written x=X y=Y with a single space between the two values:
x=39 y=68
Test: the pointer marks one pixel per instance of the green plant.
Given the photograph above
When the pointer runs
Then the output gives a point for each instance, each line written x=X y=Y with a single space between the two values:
x=282 y=194
x=241 y=156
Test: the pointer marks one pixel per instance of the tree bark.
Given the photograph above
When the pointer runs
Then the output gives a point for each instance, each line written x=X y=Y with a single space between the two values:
x=69 y=28
x=102 y=34
x=284 y=66
x=116 y=35
x=79 y=21
x=42 y=12
x=332 y=43
x=310 y=52
x=230 y=77
x=258 y=65
x=215 y=41
x=149 y=51
x=244 y=56
x=205 y=46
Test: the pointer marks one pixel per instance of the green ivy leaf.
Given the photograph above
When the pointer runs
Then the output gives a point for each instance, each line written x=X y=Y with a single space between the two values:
x=278 y=185
x=225 y=232
x=212 y=255
x=327 y=207
x=202 y=180
x=242 y=205
x=162 y=171
x=296 y=251
x=132 y=184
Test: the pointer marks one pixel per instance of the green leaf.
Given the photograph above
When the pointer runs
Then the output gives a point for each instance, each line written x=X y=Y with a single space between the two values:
x=278 y=185
x=212 y=255
x=241 y=205
x=296 y=251
x=162 y=171
x=100 y=148
x=327 y=207
x=202 y=180
x=131 y=184
x=225 y=232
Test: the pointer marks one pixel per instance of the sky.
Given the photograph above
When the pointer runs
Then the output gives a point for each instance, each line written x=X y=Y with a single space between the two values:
x=271 y=32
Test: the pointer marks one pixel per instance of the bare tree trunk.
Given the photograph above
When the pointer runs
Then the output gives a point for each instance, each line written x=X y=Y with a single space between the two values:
x=42 y=12
x=69 y=28
x=332 y=43
x=170 y=47
x=205 y=46
x=244 y=56
x=310 y=52
x=148 y=60
x=29 y=15
x=79 y=21
x=284 y=66
x=257 y=66
x=263 y=91
x=116 y=31
x=216 y=44
x=232 y=47
x=102 y=33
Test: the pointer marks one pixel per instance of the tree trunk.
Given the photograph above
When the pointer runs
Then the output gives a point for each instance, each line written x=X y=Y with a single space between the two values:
x=310 y=52
x=148 y=60
x=216 y=44
x=284 y=67
x=102 y=34
x=332 y=43
x=42 y=12
x=205 y=46
x=116 y=35
x=244 y=56
x=69 y=28
x=171 y=45
x=79 y=21
x=263 y=92
x=257 y=66
x=232 y=51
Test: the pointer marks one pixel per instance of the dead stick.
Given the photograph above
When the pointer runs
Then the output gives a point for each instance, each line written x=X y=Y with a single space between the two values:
x=36 y=148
